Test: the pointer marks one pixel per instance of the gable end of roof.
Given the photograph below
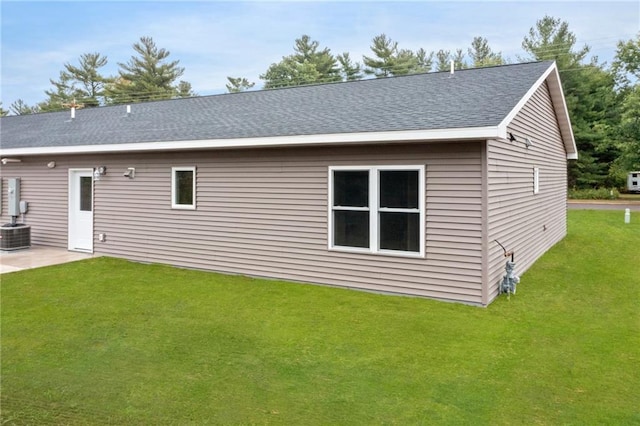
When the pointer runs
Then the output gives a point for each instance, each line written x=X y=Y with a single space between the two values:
x=552 y=78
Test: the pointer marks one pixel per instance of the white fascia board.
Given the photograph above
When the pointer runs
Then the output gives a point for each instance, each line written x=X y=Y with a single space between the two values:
x=467 y=133
x=562 y=115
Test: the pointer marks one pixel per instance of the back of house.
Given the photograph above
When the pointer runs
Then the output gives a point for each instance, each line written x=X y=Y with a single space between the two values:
x=401 y=185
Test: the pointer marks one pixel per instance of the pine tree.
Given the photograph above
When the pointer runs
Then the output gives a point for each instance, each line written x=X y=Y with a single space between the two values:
x=425 y=61
x=184 y=90
x=238 y=84
x=19 y=107
x=481 y=54
x=443 y=60
x=350 y=70
x=551 y=39
x=91 y=90
x=389 y=60
x=308 y=64
x=458 y=60
x=589 y=93
x=148 y=76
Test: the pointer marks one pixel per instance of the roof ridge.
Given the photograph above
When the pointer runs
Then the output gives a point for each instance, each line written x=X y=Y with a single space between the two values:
x=286 y=88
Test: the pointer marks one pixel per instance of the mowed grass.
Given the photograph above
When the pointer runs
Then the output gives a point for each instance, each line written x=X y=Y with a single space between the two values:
x=106 y=341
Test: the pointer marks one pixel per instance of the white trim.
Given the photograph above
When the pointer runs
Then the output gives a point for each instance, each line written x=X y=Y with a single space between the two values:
x=374 y=210
x=467 y=133
x=174 y=205
x=562 y=115
x=536 y=180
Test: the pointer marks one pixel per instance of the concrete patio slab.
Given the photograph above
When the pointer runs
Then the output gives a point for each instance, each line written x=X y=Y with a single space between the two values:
x=36 y=257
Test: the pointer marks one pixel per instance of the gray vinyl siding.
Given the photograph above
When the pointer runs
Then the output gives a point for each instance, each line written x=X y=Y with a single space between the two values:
x=265 y=212
x=527 y=223
x=46 y=192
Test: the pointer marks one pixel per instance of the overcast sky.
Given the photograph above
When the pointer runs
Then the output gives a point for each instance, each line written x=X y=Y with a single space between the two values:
x=215 y=39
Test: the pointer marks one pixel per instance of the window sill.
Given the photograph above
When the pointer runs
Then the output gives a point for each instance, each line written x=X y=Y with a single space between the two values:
x=388 y=253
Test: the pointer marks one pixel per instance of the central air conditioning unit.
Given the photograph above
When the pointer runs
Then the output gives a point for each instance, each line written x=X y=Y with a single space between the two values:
x=14 y=237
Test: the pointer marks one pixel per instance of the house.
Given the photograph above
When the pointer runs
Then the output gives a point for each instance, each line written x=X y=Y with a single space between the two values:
x=402 y=185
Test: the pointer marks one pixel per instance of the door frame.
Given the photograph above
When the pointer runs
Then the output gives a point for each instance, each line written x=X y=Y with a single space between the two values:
x=73 y=193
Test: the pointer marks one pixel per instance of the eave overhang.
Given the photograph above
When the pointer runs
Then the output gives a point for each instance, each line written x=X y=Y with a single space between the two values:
x=407 y=136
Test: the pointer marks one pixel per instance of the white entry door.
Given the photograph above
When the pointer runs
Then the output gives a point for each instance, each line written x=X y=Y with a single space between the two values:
x=81 y=210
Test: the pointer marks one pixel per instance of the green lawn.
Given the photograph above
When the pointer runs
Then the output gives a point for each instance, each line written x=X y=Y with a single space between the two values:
x=106 y=341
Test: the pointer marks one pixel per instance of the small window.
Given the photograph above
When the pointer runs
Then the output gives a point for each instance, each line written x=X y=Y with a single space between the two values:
x=377 y=209
x=183 y=188
x=536 y=180
x=86 y=193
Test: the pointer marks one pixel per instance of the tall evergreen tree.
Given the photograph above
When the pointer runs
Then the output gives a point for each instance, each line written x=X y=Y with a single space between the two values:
x=147 y=76
x=383 y=63
x=308 y=64
x=551 y=39
x=389 y=60
x=88 y=82
x=626 y=64
x=482 y=55
x=82 y=83
x=589 y=94
x=458 y=60
x=443 y=60
x=350 y=70
x=424 y=60
x=19 y=107
x=238 y=84
x=63 y=91
x=184 y=90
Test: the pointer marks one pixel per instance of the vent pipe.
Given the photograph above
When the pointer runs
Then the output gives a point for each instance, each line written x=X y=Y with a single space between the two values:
x=73 y=112
x=128 y=109
x=452 y=68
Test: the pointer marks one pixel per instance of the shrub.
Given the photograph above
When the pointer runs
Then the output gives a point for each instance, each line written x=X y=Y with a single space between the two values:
x=594 y=194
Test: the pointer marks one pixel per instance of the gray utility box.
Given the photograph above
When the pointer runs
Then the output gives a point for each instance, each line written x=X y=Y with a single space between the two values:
x=13 y=196
x=14 y=237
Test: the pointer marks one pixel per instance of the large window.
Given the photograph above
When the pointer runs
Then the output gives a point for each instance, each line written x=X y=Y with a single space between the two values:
x=377 y=209
x=183 y=188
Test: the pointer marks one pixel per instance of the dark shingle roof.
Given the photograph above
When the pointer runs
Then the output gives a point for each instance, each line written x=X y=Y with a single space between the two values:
x=479 y=97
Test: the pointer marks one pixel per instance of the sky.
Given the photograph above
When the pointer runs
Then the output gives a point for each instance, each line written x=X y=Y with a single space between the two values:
x=216 y=39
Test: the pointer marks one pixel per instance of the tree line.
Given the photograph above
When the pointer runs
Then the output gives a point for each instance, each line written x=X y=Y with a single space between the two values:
x=603 y=100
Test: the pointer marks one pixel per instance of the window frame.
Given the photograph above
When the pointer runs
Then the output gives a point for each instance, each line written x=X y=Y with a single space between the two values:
x=374 y=210
x=174 y=193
